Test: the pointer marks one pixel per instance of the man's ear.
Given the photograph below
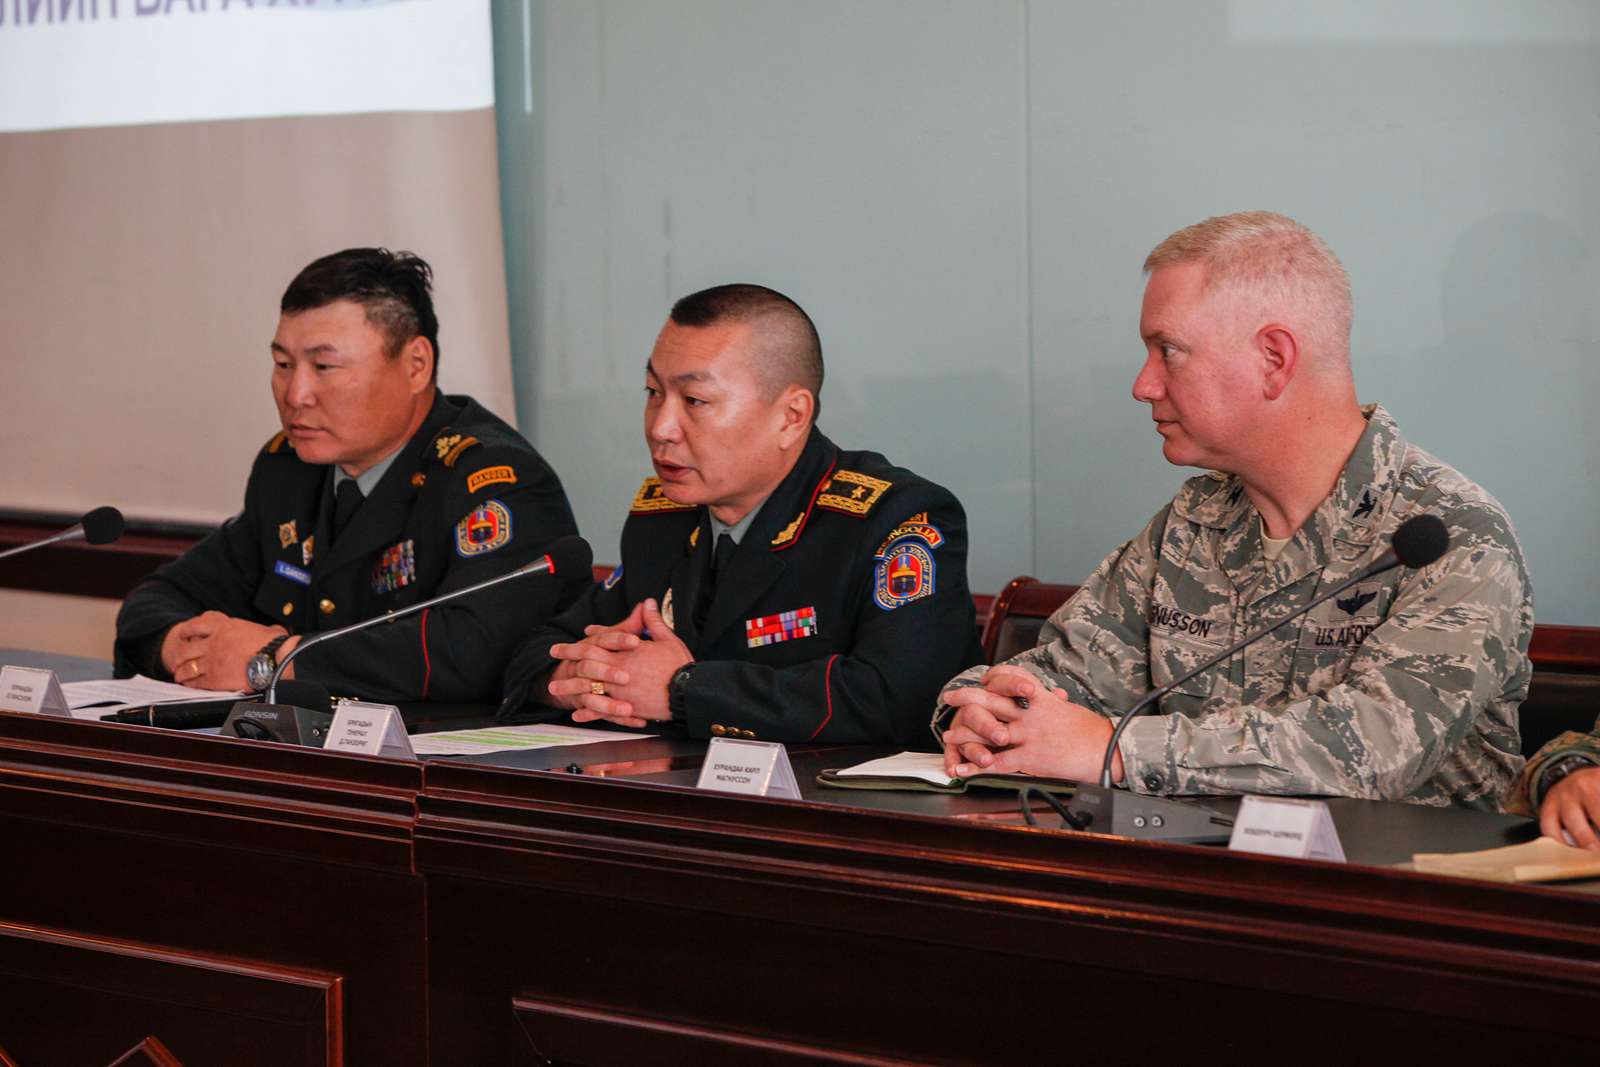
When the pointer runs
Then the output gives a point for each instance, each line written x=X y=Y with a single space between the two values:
x=417 y=355
x=796 y=407
x=1278 y=350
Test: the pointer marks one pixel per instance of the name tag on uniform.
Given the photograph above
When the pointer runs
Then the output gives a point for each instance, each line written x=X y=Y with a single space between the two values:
x=371 y=729
x=291 y=572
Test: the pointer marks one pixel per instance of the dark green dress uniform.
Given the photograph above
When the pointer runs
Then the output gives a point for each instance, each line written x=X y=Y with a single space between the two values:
x=838 y=616
x=466 y=499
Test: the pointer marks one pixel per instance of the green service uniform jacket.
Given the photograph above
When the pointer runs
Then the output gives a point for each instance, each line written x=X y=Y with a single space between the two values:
x=841 y=611
x=466 y=499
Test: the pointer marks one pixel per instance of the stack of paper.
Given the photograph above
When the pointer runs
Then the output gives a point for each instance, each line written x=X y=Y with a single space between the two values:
x=1544 y=860
x=91 y=700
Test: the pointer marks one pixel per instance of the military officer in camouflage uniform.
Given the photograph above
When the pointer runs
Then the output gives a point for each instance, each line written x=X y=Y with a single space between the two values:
x=379 y=492
x=1562 y=784
x=1404 y=688
x=773 y=585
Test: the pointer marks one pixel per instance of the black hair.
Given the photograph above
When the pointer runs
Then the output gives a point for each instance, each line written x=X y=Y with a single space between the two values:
x=792 y=350
x=395 y=288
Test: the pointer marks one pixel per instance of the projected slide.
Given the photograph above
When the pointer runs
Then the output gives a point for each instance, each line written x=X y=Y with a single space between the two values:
x=75 y=63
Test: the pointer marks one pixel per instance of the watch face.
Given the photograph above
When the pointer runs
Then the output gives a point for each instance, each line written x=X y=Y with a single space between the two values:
x=257 y=672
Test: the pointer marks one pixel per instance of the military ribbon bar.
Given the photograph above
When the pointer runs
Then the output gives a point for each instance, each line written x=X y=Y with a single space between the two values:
x=785 y=626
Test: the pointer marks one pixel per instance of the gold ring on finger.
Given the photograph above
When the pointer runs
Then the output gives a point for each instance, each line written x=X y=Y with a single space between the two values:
x=597 y=689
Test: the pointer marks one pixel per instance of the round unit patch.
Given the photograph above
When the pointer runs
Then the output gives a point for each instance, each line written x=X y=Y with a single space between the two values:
x=485 y=529
x=905 y=573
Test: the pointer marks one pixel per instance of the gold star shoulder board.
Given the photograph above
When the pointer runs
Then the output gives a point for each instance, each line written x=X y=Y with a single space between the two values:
x=651 y=498
x=280 y=443
x=852 y=493
x=448 y=447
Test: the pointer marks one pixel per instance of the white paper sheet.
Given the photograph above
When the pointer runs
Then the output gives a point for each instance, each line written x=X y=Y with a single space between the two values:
x=510 y=738
x=103 y=696
x=927 y=766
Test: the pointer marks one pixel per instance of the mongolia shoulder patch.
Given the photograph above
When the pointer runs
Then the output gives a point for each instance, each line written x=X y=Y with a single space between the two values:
x=486 y=528
x=490 y=476
x=852 y=492
x=652 y=498
x=904 y=573
x=917 y=527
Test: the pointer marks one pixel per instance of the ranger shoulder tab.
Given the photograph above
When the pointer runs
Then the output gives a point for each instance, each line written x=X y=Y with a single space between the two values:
x=280 y=443
x=651 y=498
x=853 y=493
x=447 y=447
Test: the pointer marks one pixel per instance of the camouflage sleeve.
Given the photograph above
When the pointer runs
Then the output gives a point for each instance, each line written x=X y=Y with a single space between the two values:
x=1454 y=641
x=1096 y=645
x=1528 y=792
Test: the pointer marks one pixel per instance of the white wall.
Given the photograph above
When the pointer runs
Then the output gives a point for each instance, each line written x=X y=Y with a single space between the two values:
x=961 y=194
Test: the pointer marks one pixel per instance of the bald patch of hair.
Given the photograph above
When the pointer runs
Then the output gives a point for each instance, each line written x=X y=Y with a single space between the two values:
x=787 y=348
x=1269 y=264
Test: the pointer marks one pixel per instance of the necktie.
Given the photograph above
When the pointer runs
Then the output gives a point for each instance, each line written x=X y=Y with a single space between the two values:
x=346 y=499
x=719 y=564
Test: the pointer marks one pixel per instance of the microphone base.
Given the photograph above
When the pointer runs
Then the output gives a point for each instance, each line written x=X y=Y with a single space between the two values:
x=1126 y=814
x=283 y=723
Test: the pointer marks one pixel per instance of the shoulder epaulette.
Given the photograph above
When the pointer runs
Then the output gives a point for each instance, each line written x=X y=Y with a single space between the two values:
x=852 y=493
x=651 y=498
x=280 y=443
x=448 y=447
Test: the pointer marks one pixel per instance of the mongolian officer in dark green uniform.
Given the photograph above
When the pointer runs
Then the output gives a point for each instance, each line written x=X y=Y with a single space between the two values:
x=772 y=585
x=379 y=492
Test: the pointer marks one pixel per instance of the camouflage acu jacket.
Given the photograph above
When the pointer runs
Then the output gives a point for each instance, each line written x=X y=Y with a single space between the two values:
x=1404 y=687
x=1527 y=794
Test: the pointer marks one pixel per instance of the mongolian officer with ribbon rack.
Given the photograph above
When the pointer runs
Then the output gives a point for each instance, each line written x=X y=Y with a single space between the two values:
x=772 y=586
x=379 y=492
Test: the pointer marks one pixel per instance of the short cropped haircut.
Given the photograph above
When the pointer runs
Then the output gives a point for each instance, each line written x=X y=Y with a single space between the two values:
x=395 y=288
x=790 y=352
x=1272 y=260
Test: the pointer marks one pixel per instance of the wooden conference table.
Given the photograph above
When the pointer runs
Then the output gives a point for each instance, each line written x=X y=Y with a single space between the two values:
x=247 y=903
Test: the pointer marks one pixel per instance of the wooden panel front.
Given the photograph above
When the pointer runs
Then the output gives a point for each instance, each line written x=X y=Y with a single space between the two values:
x=895 y=937
x=281 y=859
x=74 y=1001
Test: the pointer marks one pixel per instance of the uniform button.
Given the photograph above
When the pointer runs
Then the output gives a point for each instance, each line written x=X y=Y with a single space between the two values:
x=288 y=609
x=327 y=607
x=748 y=734
x=1152 y=782
x=718 y=729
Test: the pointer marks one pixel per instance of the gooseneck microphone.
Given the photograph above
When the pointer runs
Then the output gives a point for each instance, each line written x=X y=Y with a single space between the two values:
x=99 y=527
x=1417 y=542
x=567 y=555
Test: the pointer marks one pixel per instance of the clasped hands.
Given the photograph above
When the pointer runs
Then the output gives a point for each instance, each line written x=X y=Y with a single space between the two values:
x=620 y=673
x=211 y=650
x=994 y=732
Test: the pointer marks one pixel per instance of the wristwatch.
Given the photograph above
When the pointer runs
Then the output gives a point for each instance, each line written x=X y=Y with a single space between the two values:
x=678 y=691
x=1559 y=770
x=258 y=672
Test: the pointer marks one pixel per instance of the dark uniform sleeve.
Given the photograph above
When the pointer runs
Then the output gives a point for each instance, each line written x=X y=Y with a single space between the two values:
x=601 y=604
x=456 y=653
x=880 y=689
x=220 y=573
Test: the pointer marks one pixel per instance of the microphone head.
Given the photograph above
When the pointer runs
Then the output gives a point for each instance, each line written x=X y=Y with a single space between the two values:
x=308 y=695
x=102 y=526
x=1420 y=540
x=570 y=555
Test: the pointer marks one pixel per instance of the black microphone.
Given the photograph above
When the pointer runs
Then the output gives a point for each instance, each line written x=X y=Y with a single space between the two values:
x=99 y=527
x=303 y=718
x=568 y=555
x=1417 y=542
x=194 y=714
